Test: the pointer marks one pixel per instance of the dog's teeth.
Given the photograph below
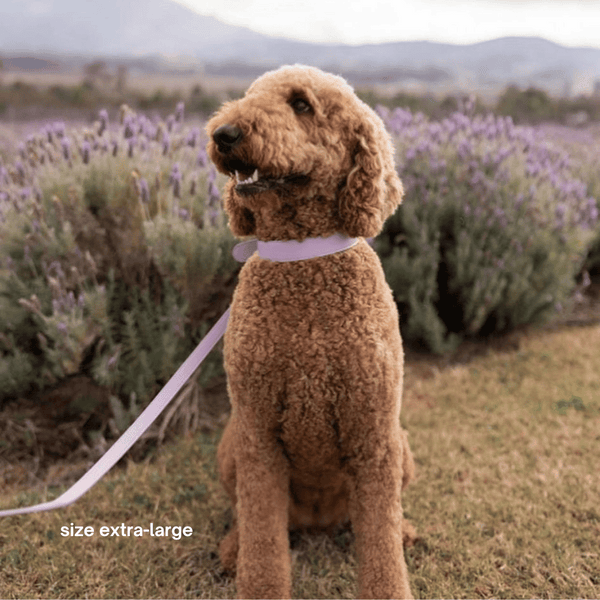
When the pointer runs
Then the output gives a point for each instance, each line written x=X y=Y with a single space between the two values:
x=252 y=179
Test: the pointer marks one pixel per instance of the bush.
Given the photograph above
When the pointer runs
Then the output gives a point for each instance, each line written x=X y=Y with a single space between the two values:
x=492 y=232
x=115 y=256
x=532 y=105
x=583 y=147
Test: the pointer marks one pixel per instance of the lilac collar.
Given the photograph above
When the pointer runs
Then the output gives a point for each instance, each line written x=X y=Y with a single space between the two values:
x=291 y=250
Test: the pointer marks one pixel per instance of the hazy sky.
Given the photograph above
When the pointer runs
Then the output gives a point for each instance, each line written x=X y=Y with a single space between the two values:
x=567 y=22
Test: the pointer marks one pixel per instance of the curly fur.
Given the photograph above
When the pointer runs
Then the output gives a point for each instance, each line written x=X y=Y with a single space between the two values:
x=313 y=353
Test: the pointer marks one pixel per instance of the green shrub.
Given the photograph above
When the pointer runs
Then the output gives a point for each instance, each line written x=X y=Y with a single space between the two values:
x=492 y=232
x=583 y=148
x=115 y=256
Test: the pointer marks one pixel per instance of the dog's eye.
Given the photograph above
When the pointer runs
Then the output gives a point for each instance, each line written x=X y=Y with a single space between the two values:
x=300 y=105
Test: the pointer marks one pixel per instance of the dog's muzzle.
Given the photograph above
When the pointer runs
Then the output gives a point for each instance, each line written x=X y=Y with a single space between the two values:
x=248 y=177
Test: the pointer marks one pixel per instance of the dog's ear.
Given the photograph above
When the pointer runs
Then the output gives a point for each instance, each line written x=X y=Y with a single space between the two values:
x=241 y=219
x=372 y=190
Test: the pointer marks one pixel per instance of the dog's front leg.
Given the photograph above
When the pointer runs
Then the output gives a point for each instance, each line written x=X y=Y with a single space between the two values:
x=263 y=568
x=376 y=514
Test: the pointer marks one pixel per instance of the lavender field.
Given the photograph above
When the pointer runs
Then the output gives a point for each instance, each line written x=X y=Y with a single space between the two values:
x=498 y=225
x=115 y=258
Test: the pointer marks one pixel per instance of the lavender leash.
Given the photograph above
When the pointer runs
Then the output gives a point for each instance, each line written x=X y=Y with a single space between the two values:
x=275 y=251
x=137 y=428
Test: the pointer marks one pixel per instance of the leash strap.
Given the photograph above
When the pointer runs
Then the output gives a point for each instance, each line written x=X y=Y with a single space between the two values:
x=137 y=428
x=284 y=251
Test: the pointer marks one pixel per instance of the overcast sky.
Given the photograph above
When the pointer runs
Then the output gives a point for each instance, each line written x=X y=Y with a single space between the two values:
x=567 y=22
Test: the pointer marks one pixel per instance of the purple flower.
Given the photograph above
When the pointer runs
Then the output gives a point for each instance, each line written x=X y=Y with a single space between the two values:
x=192 y=137
x=49 y=133
x=201 y=159
x=20 y=169
x=128 y=126
x=59 y=129
x=85 y=152
x=103 y=115
x=175 y=180
x=66 y=148
x=148 y=129
x=179 y=112
x=464 y=149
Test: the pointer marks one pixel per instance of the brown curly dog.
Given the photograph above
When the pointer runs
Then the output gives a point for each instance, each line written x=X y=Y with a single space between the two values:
x=313 y=353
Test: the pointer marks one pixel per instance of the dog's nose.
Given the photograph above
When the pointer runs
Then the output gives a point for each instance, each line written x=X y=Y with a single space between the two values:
x=227 y=137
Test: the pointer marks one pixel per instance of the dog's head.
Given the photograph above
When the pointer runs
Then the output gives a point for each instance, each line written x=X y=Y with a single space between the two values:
x=305 y=158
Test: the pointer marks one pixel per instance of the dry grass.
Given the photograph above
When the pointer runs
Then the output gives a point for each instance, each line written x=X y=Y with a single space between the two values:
x=506 y=498
x=507 y=451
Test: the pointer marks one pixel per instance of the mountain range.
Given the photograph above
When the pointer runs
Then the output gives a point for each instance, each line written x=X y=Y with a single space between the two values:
x=174 y=34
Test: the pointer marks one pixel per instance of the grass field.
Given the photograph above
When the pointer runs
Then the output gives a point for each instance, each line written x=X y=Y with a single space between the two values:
x=505 y=501
x=146 y=82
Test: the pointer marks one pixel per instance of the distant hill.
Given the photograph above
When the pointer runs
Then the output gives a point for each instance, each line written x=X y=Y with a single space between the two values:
x=163 y=28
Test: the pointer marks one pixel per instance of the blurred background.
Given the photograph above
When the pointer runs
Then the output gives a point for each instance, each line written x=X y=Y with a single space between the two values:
x=530 y=59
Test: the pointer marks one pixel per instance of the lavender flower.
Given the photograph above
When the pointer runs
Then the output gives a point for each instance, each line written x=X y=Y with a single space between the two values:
x=175 y=180
x=179 y=112
x=20 y=170
x=128 y=126
x=103 y=115
x=192 y=137
x=85 y=152
x=66 y=148
x=201 y=158
x=59 y=129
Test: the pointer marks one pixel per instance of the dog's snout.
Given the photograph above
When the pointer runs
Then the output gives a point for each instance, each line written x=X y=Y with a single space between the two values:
x=227 y=137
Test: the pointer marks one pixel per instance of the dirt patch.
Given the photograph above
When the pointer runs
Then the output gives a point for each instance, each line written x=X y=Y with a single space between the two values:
x=54 y=437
